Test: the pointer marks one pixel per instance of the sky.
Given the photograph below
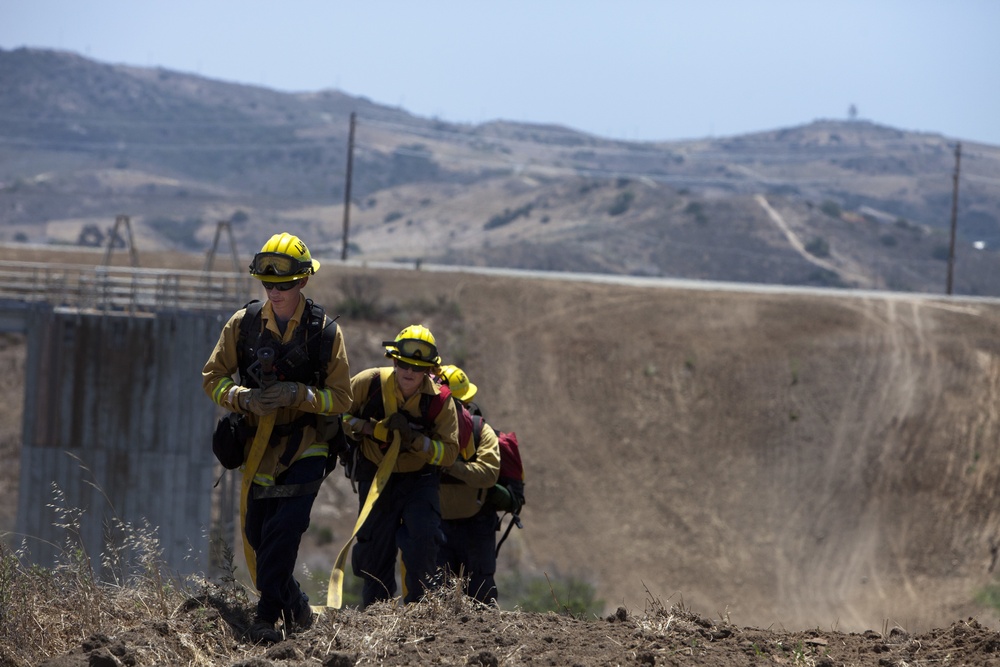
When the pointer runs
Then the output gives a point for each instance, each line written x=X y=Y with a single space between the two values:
x=641 y=70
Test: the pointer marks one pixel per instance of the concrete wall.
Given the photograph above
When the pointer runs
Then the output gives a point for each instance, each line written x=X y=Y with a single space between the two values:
x=116 y=426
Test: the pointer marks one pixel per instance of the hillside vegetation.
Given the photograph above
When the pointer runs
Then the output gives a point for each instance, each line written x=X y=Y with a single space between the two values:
x=828 y=203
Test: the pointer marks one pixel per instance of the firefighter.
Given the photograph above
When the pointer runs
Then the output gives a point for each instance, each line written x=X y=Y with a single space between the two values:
x=401 y=409
x=287 y=405
x=469 y=522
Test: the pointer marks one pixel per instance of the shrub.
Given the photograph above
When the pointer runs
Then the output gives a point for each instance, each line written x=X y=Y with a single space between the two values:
x=362 y=297
x=826 y=278
x=831 y=208
x=697 y=211
x=941 y=252
x=818 y=247
x=542 y=594
x=179 y=232
x=621 y=203
x=90 y=236
x=508 y=216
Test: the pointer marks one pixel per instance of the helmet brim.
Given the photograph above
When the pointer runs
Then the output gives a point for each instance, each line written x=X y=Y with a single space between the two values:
x=424 y=363
x=269 y=278
x=469 y=393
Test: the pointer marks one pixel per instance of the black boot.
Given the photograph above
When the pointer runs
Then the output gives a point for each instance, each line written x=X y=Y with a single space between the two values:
x=262 y=632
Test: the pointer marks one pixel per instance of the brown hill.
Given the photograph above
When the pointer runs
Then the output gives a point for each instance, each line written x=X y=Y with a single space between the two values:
x=789 y=459
x=828 y=203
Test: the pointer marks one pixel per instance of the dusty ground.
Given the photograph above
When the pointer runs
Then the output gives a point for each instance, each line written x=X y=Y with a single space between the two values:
x=453 y=632
x=820 y=466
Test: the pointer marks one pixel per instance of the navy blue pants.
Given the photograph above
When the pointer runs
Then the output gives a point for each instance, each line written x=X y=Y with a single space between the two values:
x=469 y=550
x=407 y=518
x=274 y=528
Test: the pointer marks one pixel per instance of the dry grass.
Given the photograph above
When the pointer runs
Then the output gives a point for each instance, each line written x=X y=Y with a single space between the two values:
x=141 y=614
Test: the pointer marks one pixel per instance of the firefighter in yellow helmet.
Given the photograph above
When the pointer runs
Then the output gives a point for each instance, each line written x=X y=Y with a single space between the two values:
x=299 y=394
x=469 y=522
x=406 y=516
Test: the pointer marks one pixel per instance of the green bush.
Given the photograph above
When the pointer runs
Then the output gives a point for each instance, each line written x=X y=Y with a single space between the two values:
x=990 y=596
x=508 y=216
x=697 y=211
x=818 y=247
x=831 y=208
x=362 y=298
x=621 y=203
x=541 y=594
x=826 y=278
x=179 y=232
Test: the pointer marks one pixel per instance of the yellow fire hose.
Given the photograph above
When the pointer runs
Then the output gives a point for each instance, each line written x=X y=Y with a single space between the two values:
x=335 y=589
x=257 y=449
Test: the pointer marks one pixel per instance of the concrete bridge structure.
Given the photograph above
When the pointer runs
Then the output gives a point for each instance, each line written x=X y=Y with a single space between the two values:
x=116 y=428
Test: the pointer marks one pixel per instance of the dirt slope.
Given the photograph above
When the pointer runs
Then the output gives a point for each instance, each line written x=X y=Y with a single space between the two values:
x=799 y=461
x=787 y=460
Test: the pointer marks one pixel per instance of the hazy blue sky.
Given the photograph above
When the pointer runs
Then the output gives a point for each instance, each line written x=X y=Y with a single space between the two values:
x=631 y=69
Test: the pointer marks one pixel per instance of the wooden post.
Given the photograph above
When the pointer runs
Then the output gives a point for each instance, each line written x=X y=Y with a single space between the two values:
x=954 y=217
x=347 y=186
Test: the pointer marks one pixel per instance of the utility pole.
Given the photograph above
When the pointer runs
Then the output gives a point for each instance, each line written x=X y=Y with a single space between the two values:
x=954 y=216
x=347 y=187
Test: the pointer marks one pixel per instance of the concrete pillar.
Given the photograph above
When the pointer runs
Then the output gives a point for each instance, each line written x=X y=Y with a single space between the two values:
x=117 y=430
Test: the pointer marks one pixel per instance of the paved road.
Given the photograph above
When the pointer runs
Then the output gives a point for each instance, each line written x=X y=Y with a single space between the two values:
x=670 y=283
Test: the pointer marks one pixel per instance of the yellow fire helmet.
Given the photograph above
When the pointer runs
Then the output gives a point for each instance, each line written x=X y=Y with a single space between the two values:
x=282 y=259
x=414 y=345
x=458 y=382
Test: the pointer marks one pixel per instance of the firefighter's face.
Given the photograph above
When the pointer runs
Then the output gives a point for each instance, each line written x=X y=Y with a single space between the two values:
x=409 y=377
x=284 y=296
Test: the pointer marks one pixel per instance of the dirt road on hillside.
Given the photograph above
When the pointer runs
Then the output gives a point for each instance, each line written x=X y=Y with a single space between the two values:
x=850 y=276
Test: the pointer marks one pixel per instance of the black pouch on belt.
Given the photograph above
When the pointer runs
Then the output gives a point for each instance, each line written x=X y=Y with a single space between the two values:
x=226 y=441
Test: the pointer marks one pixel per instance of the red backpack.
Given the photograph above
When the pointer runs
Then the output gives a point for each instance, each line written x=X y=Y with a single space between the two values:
x=511 y=475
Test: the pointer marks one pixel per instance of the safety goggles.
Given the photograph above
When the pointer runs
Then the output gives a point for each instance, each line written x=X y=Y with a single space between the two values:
x=281 y=287
x=410 y=367
x=278 y=264
x=413 y=348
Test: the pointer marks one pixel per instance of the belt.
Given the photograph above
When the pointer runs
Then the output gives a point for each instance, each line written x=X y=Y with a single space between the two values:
x=286 y=490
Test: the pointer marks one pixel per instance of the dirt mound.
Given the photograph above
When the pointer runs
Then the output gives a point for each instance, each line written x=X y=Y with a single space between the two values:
x=452 y=631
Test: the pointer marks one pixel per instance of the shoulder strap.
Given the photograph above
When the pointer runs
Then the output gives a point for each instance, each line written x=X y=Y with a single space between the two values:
x=477 y=429
x=436 y=403
x=388 y=396
x=319 y=337
x=249 y=326
x=251 y=315
x=373 y=408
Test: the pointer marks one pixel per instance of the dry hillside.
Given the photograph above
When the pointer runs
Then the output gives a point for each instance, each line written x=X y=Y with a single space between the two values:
x=787 y=460
x=825 y=203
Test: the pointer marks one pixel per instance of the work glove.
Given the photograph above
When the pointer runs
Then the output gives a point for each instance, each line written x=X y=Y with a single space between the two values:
x=279 y=395
x=250 y=400
x=414 y=442
x=399 y=421
x=409 y=438
x=380 y=430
